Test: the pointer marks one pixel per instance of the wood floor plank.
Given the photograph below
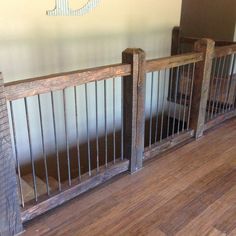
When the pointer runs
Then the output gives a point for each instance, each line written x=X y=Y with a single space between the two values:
x=191 y=192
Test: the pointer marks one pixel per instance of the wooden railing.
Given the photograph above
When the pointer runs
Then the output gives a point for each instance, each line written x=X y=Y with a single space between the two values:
x=132 y=112
x=182 y=44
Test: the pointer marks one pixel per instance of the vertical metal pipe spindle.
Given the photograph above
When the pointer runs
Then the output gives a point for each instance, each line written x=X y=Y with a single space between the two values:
x=220 y=90
x=191 y=96
x=30 y=149
x=186 y=97
x=122 y=119
x=231 y=79
x=87 y=125
x=56 y=142
x=210 y=101
x=224 y=84
x=150 y=115
x=97 y=136
x=77 y=133
x=176 y=92
x=43 y=145
x=163 y=107
x=114 y=120
x=228 y=84
x=16 y=155
x=170 y=98
x=180 y=102
x=67 y=139
x=105 y=111
x=219 y=62
x=157 y=113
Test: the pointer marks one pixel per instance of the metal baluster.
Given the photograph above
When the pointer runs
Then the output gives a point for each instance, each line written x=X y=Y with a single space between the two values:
x=105 y=111
x=210 y=103
x=218 y=104
x=43 y=145
x=224 y=85
x=163 y=106
x=216 y=84
x=180 y=103
x=157 y=114
x=191 y=96
x=77 y=133
x=176 y=92
x=150 y=115
x=114 y=120
x=97 y=138
x=16 y=155
x=30 y=149
x=170 y=98
x=231 y=79
x=122 y=120
x=56 y=143
x=227 y=84
x=87 y=125
x=234 y=96
x=67 y=139
x=186 y=97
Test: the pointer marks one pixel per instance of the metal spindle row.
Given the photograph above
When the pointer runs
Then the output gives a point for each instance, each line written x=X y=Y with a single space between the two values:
x=222 y=86
x=111 y=151
x=168 y=102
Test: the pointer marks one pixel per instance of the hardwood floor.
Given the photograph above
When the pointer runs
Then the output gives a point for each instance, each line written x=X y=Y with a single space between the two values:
x=191 y=191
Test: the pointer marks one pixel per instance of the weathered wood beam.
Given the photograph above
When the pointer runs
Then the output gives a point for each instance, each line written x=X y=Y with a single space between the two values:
x=10 y=221
x=201 y=85
x=134 y=108
x=173 y=61
x=58 y=199
x=175 y=43
x=35 y=86
x=168 y=144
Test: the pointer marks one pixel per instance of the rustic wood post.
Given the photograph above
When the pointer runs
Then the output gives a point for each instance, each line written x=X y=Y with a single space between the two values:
x=10 y=222
x=201 y=85
x=175 y=44
x=134 y=108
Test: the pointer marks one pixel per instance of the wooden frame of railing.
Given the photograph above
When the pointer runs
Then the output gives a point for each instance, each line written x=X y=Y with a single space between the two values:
x=133 y=70
x=211 y=51
x=178 y=40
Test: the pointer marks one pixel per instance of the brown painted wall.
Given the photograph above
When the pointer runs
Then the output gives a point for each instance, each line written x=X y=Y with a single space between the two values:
x=207 y=18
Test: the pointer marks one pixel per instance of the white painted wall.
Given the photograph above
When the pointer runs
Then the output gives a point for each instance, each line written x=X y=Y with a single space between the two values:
x=33 y=44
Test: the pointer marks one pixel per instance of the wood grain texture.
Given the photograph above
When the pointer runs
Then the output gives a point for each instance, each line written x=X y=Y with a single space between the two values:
x=58 y=199
x=134 y=107
x=201 y=86
x=219 y=119
x=191 y=191
x=35 y=86
x=10 y=222
x=225 y=51
x=167 y=144
x=173 y=61
x=175 y=41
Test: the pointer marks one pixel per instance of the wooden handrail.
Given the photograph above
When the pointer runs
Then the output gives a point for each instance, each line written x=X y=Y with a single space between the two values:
x=31 y=87
x=173 y=61
x=225 y=51
x=218 y=43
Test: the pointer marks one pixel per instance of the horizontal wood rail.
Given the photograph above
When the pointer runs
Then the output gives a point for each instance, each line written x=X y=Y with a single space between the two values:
x=168 y=144
x=31 y=87
x=173 y=61
x=220 y=119
x=77 y=189
x=173 y=120
x=218 y=43
x=225 y=51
